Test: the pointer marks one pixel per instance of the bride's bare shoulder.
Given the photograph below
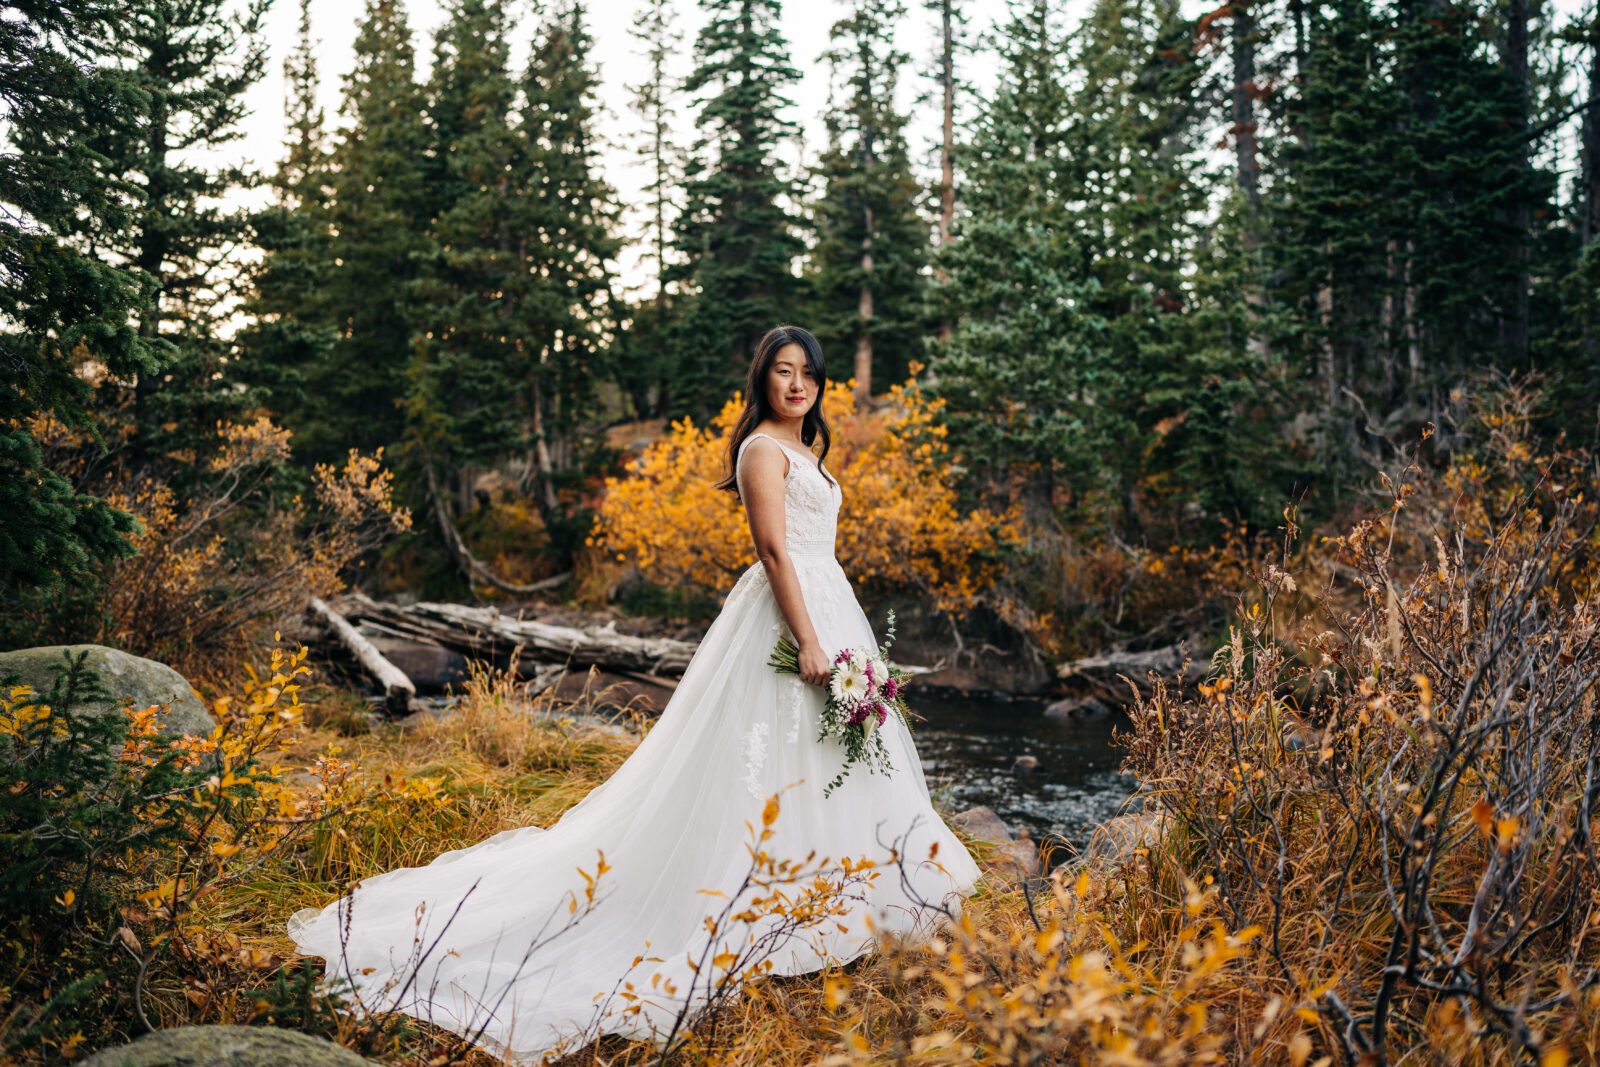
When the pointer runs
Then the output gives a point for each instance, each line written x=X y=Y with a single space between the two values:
x=762 y=458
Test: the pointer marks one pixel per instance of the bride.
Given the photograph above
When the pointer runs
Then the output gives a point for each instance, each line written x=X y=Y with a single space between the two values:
x=625 y=914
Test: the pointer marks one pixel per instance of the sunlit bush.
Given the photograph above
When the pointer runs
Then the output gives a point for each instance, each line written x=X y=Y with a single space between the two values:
x=116 y=834
x=237 y=555
x=900 y=523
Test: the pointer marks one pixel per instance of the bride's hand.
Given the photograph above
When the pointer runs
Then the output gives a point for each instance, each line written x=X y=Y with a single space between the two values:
x=814 y=665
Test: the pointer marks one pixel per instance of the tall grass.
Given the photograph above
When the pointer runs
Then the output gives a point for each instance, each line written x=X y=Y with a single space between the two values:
x=1374 y=842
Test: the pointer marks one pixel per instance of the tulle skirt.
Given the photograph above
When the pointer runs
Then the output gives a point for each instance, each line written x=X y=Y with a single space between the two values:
x=485 y=941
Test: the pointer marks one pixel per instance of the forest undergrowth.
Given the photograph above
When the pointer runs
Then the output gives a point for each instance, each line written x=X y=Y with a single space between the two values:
x=1376 y=833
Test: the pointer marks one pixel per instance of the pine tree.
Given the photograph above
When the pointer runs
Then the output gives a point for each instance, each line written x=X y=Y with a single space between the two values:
x=1570 y=345
x=1143 y=199
x=377 y=216
x=1464 y=201
x=461 y=400
x=1022 y=366
x=1215 y=441
x=1334 y=220
x=66 y=311
x=951 y=23
x=289 y=335
x=866 y=279
x=194 y=62
x=513 y=300
x=736 y=234
x=643 y=366
x=566 y=323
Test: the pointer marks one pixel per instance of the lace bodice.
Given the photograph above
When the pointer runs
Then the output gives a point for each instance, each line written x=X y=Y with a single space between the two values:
x=810 y=501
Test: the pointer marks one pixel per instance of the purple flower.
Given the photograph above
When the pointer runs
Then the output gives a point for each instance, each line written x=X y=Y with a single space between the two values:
x=891 y=687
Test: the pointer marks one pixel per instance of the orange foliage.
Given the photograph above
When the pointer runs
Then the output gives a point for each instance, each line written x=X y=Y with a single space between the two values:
x=900 y=525
x=231 y=557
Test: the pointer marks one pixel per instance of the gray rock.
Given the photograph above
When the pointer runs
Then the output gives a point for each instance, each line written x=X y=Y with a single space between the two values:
x=128 y=678
x=1023 y=854
x=227 y=1046
x=1026 y=765
x=982 y=823
x=1006 y=851
x=1145 y=795
x=1085 y=708
x=1298 y=739
x=1115 y=841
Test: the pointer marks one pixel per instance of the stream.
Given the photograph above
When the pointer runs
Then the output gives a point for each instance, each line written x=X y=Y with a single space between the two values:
x=967 y=745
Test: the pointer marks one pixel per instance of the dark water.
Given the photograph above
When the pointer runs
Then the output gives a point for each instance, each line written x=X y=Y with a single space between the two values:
x=967 y=746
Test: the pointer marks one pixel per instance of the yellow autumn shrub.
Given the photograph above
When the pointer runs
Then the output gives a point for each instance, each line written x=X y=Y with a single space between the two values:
x=230 y=557
x=901 y=525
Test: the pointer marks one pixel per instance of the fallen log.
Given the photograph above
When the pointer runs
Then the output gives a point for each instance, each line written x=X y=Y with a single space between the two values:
x=397 y=688
x=486 y=632
x=1110 y=673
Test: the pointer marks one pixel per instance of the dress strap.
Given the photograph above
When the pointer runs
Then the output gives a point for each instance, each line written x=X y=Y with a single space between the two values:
x=787 y=450
x=759 y=433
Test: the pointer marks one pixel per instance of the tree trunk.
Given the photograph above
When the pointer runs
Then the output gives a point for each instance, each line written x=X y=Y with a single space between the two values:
x=397 y=688
x=1246 y=146
x=1589 y=150
x=947 y=164
x=863 y=391
x=544 y=490
x=1244 y=114
x=1516 y=60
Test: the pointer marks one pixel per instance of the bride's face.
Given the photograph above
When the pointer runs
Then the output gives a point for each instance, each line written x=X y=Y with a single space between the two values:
x=791 y=387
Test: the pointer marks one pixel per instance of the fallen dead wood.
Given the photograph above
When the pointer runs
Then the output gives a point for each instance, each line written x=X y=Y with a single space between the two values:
x=397 y=688
x=488 y=633
x=471 y=566
x=1109 y=674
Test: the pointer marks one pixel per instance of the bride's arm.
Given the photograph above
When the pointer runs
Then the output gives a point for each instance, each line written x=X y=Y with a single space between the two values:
x=762 y=472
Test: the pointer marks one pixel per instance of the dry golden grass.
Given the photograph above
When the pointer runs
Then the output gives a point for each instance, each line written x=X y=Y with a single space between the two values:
x=1019 y=977
x=1368 y=857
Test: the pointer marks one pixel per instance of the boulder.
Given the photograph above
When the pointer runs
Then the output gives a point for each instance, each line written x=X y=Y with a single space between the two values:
x=1086 y=708
x=227 y=1046
x=1026 y=765
x=1023 y=854
x=1117 y=841
x=1299 y=739
x=982 y=823
x=1004 y=849
x=430 y=666
x=127 y=678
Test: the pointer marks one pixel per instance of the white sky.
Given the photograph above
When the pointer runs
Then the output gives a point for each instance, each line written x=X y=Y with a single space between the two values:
x=805 y=25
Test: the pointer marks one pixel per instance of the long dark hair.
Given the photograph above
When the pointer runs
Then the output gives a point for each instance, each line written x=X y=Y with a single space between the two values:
x=756 y=408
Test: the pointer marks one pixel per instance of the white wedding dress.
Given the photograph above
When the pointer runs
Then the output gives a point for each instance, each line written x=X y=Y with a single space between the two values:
x=673 y=820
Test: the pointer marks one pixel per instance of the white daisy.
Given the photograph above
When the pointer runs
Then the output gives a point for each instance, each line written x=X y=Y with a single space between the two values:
x=849 y=683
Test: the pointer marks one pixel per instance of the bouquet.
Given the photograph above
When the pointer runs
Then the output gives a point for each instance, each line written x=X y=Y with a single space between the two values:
x=863 y=691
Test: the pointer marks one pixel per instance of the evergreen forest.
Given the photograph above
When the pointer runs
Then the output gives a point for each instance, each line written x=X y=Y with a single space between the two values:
x=1261 y=335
